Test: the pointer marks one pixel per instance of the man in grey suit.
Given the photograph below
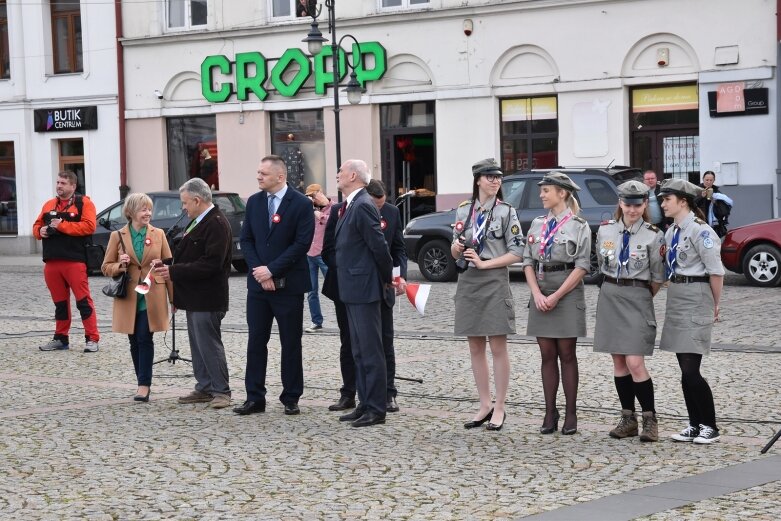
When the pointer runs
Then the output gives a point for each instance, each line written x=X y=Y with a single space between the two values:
x=364 y=269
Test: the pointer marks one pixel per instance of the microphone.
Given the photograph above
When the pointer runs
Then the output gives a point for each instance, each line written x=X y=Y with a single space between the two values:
x=174 y=230
x=400 y=199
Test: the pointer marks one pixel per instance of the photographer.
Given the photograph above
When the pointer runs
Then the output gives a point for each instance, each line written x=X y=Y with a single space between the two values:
x=487 y=238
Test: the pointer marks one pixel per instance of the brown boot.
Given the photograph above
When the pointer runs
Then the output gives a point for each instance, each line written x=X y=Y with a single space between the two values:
x=627 y=426
x=650 y=427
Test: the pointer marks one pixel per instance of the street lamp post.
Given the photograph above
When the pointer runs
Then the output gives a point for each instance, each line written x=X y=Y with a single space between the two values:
x=315 y=41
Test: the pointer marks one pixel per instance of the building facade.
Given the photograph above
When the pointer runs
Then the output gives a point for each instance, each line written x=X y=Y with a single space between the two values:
x=211 y=86
x=58 y=108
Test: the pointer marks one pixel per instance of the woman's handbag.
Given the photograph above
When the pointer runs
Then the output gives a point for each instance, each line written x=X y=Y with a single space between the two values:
x=117 y=286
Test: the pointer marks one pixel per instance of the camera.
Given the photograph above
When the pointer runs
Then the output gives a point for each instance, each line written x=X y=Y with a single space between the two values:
x=461 y=263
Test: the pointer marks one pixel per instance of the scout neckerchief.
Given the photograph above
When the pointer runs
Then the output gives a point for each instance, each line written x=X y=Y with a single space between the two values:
x=672 y=253
x=549 y=229
x=623 y=256
x=479 y=222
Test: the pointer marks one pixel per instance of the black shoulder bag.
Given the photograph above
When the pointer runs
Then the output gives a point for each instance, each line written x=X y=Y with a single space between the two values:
x=117 y=286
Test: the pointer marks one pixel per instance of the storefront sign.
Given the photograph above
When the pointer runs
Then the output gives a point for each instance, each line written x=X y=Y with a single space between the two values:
x=681 y=154
x=729 y=97
x=755 y=102
x=61 y=120
x=221 y=78
x=523 y=109
x=679 y=97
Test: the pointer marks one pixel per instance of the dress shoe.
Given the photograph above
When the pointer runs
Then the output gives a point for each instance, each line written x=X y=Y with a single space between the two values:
x=292 y=409
x=352 y=416
x=344 y=403
x=392 y=406
x=550 y=429
x=368 y=419
x=249 y=407
x=477 y=423
x=568 y=431
x=141 y=397
x=495 y=427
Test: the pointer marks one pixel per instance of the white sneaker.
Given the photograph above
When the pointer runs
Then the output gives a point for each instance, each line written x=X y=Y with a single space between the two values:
x=54 y=345
x=91 y=347
x=687 y=434
x=707 y=435
x=314 y=328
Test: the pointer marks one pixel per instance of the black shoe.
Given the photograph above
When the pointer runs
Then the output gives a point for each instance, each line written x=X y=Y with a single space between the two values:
x=368 y=419
x=495 y=427
x=292 y=409
x=568 y=431
x=142 y=398
x=553 y=428
x=392 y=406
x=352 y=416
x=344 y=403
x=477 y=423
x=249 y=407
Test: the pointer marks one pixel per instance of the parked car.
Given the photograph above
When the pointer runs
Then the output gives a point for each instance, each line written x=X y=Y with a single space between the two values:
x=8 y=223
x=755 y=251
x=166 y=211
x=427 y=238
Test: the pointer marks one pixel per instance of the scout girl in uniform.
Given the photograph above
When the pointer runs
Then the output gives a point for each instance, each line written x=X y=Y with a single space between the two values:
x=631 y=258
x=697 y=277
x=487 y=238
x=555 y=260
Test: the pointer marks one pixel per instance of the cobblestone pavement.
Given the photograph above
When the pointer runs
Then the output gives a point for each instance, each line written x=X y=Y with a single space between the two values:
x=75 y=446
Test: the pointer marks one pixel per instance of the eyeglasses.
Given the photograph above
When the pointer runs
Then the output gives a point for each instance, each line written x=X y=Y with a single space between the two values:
x=492 y=178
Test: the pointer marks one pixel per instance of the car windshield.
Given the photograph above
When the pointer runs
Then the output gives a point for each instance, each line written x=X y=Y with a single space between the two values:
x=230 y=204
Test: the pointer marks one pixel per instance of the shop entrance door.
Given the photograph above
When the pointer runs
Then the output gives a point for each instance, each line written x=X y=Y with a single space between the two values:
x=669 y=153
x=409 y=164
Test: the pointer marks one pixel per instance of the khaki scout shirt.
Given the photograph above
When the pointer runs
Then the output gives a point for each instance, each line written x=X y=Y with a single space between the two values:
x=698 y=248
x=646 y=251
x=572 y=242
x=503 y=232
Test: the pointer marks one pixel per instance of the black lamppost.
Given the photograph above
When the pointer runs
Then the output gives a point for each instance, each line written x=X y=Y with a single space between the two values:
x=315 y=41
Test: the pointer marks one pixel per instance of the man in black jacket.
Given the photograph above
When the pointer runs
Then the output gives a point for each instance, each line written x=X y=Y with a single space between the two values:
x=200 y=277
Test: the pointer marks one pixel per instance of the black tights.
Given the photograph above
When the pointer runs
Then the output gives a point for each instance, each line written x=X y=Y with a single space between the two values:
x=696 y=391
x=552 y=351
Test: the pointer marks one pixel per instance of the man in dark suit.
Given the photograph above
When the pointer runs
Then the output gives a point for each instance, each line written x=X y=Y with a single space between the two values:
x=202 y=264
x=364 y=270
x=390 y=224
x=275 y=237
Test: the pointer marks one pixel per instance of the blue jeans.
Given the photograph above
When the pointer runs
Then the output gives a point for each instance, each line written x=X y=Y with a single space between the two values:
x=313 y=297
x=142 y=349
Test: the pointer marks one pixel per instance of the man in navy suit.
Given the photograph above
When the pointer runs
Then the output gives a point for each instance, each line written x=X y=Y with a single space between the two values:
x=364 y=270
x=276 y=234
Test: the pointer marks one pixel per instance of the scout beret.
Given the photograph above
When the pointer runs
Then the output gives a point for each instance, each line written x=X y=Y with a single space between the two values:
x=559 y=179
x=680 y=187
x=486 y=166
x=633 y=192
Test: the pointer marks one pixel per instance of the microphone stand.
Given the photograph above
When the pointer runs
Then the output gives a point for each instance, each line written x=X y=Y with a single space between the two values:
x=173 y=356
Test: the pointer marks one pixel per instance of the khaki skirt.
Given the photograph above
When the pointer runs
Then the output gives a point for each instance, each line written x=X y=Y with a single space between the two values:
x=688 y=319
x=626 y=323
x=484 y=303
x=567 y=319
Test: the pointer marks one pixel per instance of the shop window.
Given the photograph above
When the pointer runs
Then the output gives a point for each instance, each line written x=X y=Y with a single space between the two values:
x=72 y=159
x=186 y=14
x=8 y=222
x=5 y=55
x=66 y=36
x=403 y=4
x=529 y=133
x=299 y=138
x=192 y=150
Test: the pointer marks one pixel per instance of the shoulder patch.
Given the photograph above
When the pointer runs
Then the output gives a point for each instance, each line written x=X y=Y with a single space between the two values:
x=464 y=203
x=611 y=221
x=698 y=220
x=652 y=227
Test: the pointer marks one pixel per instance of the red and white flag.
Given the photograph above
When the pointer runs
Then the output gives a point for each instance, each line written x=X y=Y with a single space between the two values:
x=143 y=288
x=418 y=295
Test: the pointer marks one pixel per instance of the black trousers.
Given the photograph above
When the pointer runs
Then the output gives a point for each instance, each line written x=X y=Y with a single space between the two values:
x=366 y=339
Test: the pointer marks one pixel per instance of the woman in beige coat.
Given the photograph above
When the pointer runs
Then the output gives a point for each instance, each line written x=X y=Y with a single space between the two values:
x=136 y=248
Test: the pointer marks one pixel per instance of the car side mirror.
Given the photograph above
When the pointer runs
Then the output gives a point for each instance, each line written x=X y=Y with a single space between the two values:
x=105 y=223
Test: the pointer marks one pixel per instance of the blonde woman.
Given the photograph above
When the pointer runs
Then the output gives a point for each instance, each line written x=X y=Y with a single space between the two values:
x=136 y=248
x=555 y=260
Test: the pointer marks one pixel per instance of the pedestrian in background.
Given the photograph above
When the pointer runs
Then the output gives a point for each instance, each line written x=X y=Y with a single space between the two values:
x=697 y=275
x=655 y=213
x=556 y=258
x=136 y=248
x=630 y=251
x=321 y=205
x=487 y=238
x=64 y=226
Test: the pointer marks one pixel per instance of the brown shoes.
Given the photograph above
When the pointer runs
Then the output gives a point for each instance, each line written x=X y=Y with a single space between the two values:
x=196 y=397
x=220 y=401
x=650 y=427
x=627 y=426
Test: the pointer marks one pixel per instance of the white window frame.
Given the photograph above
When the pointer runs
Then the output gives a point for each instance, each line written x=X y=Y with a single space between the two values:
x=187 y=26
x=291 y=16
x=405 y=6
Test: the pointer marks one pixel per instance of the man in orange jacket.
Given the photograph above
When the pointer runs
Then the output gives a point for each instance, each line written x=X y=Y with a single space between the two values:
x=64 y=225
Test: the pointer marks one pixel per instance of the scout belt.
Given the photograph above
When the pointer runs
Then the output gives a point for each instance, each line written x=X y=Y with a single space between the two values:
x=628 y=282
x=683 y=279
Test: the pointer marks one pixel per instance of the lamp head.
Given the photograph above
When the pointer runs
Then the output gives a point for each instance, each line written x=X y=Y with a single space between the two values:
x=314 y=39
x=353 y=89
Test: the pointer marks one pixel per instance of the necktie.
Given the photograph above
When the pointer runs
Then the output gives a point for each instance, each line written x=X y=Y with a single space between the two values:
x=271 y=208
x=478 y=239
x=623 y=257
x=549 y=238
x=672 y=255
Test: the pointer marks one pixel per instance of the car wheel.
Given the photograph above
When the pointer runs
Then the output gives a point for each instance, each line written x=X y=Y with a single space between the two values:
x=240 y=266
x=762 y=265
x=593 y=275
x=436 y=263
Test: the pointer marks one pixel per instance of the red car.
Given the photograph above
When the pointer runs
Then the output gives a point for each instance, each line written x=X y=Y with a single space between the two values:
x=755 y=251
